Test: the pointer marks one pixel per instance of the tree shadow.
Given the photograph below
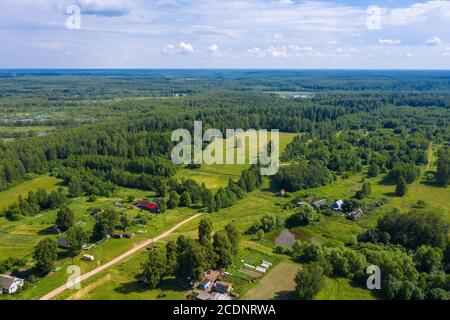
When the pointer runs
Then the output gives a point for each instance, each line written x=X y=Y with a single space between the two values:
x=137 y=286
x=431 y=183
x=390 y=194
x=47 y=231
x=284 y=295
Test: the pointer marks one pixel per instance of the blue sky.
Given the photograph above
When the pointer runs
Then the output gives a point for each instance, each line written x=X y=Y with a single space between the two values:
x=226 y=34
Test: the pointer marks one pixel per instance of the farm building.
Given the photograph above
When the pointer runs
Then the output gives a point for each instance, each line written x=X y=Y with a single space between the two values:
x=337 y=205
x=355 y=214
x=9 y=285
x=151 y=206
x=319 y=203
x=62 y=242
x=87 y=257
x=128 y=235
x=116 y=235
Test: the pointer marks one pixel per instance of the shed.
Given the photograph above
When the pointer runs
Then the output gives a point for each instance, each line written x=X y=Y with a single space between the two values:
x=87 y=257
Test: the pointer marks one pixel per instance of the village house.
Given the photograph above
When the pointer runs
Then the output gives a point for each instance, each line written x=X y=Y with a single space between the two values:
x=222 y=287
x=128 y=235
x=281 y=193
x=319 y=203
x=95 y=212
x=355 y=214
x=62 y=242
x=337 y=205
x=151 y=206
x=9 y=284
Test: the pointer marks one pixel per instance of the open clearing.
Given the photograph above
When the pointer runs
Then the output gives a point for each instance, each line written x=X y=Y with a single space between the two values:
x=277 y=284
x=341 y=289
x=10 y=196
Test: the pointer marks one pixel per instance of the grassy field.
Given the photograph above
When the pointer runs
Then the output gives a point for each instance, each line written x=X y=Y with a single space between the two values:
x=10 y=196
x=217 y=175
x=275 y=286
x=341 y=289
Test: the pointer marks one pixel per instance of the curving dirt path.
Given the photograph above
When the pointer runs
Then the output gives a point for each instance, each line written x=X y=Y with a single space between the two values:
x=116 y=260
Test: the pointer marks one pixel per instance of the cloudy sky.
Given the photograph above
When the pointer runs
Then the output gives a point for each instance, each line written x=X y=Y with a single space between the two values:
x=224 y=34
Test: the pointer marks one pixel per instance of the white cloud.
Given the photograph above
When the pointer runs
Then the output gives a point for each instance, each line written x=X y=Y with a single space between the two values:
x=255 y=51
x=182 y=48
x=418 y=12
x=214 y=48
x=186 y=47
x=278 y=53
x=434 y=41
x=390 y=41
x=168 y=49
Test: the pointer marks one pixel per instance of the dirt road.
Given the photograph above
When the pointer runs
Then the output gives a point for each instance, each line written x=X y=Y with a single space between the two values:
x=116 y=260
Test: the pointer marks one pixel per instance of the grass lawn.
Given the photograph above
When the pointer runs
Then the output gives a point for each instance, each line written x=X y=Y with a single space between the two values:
x=277 y=284
x=341 y=289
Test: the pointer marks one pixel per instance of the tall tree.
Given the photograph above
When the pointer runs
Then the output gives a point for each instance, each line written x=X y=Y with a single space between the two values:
x=309 y=280
x=222 y=249
x=402 y=188
x=185 y=199
x=443 y=167
x=45 y=253
x=171 y=257
x=76 y=237
x=64 y=218
x=154 y=268
x=234 y=235
x=204 y=231
x=174 y=200
x=105 y=224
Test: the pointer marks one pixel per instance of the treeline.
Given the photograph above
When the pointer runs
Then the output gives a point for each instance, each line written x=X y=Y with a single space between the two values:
x=156 y=166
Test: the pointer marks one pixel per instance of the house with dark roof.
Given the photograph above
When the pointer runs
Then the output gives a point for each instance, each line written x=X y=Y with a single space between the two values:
x=355 y=214
x=62 y=242
x=222 y=287
x=9 y=285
